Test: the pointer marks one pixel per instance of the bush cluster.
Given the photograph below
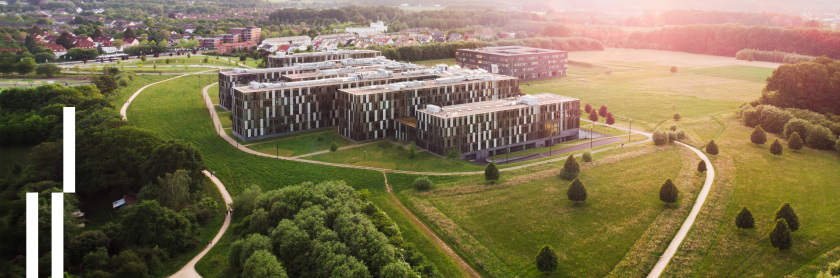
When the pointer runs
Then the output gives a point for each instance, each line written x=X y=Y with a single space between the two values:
x=772 y=56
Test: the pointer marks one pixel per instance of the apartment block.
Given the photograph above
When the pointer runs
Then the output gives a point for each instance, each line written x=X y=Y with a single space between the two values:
x=209 y=42
x=483 y=129
x=250 y=33
x=283 y=60
x=525 y=63
x=265 y=109
x=373 y=112
x=228 y=38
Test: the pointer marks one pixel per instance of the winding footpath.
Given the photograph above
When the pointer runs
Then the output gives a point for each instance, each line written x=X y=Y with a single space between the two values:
x=124 y=108
x=188 y=271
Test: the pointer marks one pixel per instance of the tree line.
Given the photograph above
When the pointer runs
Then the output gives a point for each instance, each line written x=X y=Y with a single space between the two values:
x=114 y=158
x=431 y=51
x=728 y=39
x=807 y=85
x=772 y=56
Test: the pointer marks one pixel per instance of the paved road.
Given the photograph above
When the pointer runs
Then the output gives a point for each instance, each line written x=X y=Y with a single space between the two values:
x=124 y=108
x=188 y=271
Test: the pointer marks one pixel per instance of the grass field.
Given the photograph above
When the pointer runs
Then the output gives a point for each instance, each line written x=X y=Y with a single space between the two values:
x=390 y=155
x=302 y=144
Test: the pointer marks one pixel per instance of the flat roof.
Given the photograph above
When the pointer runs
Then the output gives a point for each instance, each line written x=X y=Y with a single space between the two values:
x=512 y=50
x=314 y=83
x=482 y=107
x=376 y=89
x=324 y=53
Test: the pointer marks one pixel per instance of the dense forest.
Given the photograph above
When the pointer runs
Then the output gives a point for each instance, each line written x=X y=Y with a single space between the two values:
x=807 y=85
x=319 y=230
x=114 y=159
x=728 y=39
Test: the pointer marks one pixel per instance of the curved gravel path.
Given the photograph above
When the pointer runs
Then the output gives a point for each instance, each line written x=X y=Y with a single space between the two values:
x=188 y=271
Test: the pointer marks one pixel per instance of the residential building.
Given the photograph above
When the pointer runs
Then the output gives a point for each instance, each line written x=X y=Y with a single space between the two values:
x=283 y=60
x=526 y=63
x=482 y=129
x=250 y=33
x=295 y=40
x=230 y=47
x=262 y=110
x=454 y=37
x=375 y=28
x=228 y=38
x=371 y=113
x=58 y=50
x=438 y=36
x=209 y=42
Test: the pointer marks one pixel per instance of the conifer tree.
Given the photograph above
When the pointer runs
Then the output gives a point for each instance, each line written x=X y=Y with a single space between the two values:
x=571 y=169
x=745 y=219
x=576 y=192
x=780 y=236
x=776 y=147
x=712 y=148
x=786 y=212
x=758 y=135
x=547 y=260
x=491 y=173
x=795 y=141
x=669 y=192
x=701 y=167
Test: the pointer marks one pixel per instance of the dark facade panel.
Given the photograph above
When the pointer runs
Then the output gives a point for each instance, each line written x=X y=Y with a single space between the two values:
x=525 y=63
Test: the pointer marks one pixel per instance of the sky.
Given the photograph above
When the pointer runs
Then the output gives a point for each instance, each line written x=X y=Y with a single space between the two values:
x=787 y=6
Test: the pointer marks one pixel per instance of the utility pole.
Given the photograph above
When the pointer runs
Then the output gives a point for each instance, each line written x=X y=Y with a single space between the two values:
x=591 y=134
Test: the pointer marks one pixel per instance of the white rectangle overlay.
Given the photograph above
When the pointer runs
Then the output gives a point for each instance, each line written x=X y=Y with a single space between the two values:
x=32 y=234
x=57 y=255
x=69 y=151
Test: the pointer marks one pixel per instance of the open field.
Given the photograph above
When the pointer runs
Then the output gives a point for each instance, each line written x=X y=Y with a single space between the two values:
x=391 y=155
x=302 y=144
x=507 y=224
x=634 y=57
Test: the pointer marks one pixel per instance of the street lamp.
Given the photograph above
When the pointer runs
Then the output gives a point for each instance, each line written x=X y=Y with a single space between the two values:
x=630 y=130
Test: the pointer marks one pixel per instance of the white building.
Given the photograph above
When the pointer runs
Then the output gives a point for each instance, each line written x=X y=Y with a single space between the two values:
x=375 y=28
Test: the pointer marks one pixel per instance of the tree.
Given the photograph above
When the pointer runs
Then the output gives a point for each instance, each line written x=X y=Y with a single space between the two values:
x=453 y=153
x=97 y=32
x=174 y=189
x=677 y=117
x=263 y=264
x=150 y=224
x=668 y=192
x=758 y=136
x=48 y=69
x=786 y=212
x=129 y=34
x=602 y=111
x=673 y=69
x=820 y=138
x=711 y=148
x=610 y=120
x=243 y=58
x=547 y=260
x=25 y=66
x=491 y=173
x=587 y=156
x=745 y=219
x=65 y=40
x=422 y=184
x=593 y=115
x=412 y=150
x=556 y=30
x=86 y=242
x=795 y=142
x=106 y=83
x=397 y=270
x=171 y=156
x=243 y=249
x=776 y=147
x=576 y=192
x=701 y=167
x=571 y=169
x=333 y=147
x=587 y=108
x=118 y=43
x=7 y=65
x=780 y=236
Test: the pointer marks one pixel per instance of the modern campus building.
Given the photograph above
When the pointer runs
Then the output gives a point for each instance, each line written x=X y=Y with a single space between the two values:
x=262 y=110
x=372 y=112
x=283 y=60
x=481 y=129
x=526 y=63
x=242 y=77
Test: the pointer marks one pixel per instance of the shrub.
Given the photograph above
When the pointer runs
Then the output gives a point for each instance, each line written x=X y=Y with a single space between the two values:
x=677 y=117
x=547 y=260
x=672 y=136
x=701 y=167
x=422 y=184
x=837 y=145
x=745 y=219
x=491 y=173
x=369 y=209
x=673 y=127
x=772 y=119
x=610 y=119
x=786 y=212
x=571 y=169
x=834 y=268
x=749 y=117
x=412 y=150
x=576 y=192
x=681 y=134
x=797 y=126
x=188 y=56
x=587 y=108
x=820 y=138
x=587 y=156
x=711 y=148
x=333 y=147
x=453 y=153
x=320 y=138
x=668 y=192
x=758 y=136
x=776 y=147
x=602 y=111
x=795 y=142
x=780 y=236
x=143 y=58
x=166 y=61
x=660 y=137
x=593 y=115
x=674 y=69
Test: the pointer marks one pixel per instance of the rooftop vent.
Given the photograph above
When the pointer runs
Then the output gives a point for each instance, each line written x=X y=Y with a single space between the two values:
x=433 y=108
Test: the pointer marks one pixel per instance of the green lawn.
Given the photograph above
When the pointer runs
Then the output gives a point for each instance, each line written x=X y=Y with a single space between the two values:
x=139 y=81
x=302 y=145
x=390 y=155
x=755 y=74
x=502 y=227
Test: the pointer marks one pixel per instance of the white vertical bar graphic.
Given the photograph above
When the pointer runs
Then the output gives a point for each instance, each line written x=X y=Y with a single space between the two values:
x=57 y=255
x=69 y=149
x=31 y=234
